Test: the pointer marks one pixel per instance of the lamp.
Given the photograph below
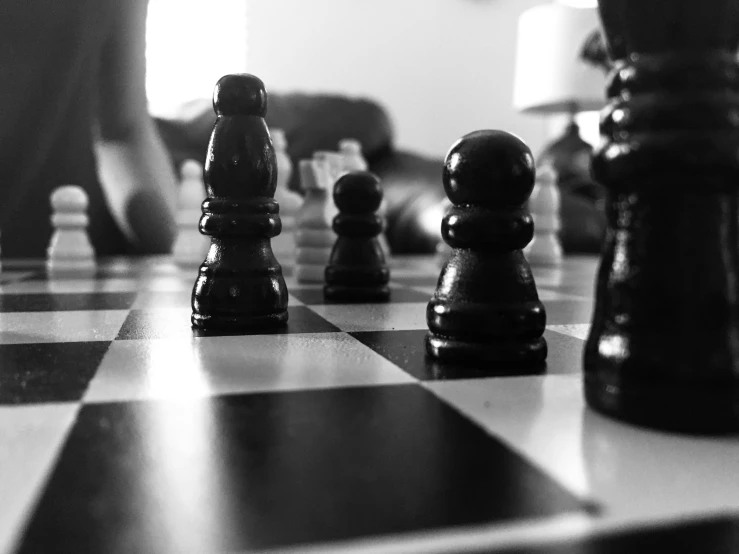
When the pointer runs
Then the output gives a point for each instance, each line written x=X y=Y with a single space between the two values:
x=552 y=77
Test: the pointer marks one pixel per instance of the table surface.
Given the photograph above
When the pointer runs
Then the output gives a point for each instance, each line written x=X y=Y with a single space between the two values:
x=124 y=430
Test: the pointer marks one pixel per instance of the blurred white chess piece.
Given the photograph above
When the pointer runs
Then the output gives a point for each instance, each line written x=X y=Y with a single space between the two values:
x=70 y=250
x=544 y=204
x=283 y=245
x=434 y=216
x=314 y=237
x=351 y=150
x=191 y=246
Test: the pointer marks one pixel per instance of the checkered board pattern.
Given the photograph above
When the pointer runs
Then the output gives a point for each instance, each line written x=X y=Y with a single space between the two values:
x=123 y=430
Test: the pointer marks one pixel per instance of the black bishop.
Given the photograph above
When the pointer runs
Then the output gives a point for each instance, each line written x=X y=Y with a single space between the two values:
x=240 y=284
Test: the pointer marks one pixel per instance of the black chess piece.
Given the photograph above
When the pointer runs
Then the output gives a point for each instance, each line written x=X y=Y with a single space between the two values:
x=240 y=283
x=357 y=271
x=663 y=348
x=486 y=309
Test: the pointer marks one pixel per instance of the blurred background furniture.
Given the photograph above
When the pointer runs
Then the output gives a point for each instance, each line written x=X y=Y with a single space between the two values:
x=405 y=100
x=554 y=77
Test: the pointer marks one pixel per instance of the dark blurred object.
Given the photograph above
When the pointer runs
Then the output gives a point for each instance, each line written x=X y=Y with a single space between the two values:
x=595 y=53
x=411 y=183
x=662 y=348
x=310 y=122
x=569 y=155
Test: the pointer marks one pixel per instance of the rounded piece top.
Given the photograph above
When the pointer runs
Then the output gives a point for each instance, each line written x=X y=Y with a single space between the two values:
x=350 y=146
x=494 y=169
x=69 y=198
x=240 y=94
x=358 y=192
x=191 y=170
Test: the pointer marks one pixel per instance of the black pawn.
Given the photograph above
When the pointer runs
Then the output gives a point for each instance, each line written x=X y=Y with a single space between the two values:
x=240 y=284
x=357 y=271
x=486 y=309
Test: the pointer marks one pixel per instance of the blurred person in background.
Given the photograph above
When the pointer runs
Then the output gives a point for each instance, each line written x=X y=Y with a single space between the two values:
x=73 y=110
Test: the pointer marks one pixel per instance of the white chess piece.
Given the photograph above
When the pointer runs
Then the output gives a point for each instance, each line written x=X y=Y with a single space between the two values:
x=544 y=205
x=437 y=213
x=314 y=236
x=335 y=166
x=70 y=251
x=191 y=247
x=283 y=245
x=351 y=152
x=328 y=168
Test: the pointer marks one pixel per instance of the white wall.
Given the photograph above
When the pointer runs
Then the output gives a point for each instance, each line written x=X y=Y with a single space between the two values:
x=189 y=46
x=441 y=68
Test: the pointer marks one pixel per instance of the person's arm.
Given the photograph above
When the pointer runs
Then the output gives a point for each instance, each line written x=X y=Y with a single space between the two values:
x=135 y=172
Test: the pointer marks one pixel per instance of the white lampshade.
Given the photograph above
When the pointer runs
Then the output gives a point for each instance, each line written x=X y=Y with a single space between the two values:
x=550 y=75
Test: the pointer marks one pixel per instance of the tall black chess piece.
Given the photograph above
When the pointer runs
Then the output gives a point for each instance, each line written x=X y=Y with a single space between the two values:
x=357 y=271
x=240 y=283
x=663 y=348
x=486 y=308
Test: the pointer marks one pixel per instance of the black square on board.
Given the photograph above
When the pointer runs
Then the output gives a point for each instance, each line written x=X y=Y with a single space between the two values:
x=276 y=469
x=314 y=296
x=100 y=273
x=48 y=372
x=718 y=535
x=58 y=302
x=20 y=264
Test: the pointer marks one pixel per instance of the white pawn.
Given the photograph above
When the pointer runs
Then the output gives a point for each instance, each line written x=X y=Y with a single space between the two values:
x=283 y=245
x=191 y=247
x=70 y=251
x=351 y=152
x=544 y=205
x=314 y=237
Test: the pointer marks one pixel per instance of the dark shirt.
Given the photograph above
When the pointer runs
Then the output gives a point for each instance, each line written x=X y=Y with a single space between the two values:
x=50 y=51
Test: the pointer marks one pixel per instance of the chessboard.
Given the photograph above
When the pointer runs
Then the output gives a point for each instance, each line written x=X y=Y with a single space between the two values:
x=124 y=430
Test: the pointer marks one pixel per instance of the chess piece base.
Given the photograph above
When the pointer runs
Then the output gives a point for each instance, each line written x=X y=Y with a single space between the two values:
x=689 y=409
x=524 y=353
x=230 y=323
